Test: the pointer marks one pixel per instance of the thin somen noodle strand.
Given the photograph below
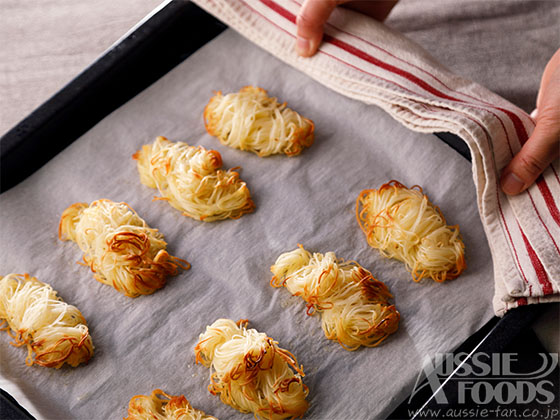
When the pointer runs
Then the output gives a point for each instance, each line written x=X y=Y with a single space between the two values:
x=154 y=407
x=251 y=120
x=354 y=306
x=403 y=224
x=53 y=331
x=119 y=247
x=191 y=180
x=250 y=372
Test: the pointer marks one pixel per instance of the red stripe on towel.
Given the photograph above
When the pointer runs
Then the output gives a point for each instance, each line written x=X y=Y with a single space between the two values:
x=539 y=269
x=548 y=199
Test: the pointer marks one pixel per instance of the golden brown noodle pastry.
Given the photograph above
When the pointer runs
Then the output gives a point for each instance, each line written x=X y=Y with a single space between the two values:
x=403 y=224
x=56 y=332
x=354 y=306
x=250 y=372
x=251 y=120
x=153 y=407
x=191 y=180
x=121 y=249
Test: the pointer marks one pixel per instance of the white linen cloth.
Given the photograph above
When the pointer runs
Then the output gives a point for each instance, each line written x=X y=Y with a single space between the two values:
x=365 y=60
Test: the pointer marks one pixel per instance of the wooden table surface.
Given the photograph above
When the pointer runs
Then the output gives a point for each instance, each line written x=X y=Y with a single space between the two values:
x=44 y=44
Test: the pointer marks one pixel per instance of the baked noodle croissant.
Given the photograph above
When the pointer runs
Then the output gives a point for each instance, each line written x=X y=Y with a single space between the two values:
x=354 y=306
x=154 y=407
x=120 y=248
x=250 y=372
x=251 y=120
x=53 y=331
x=403 y=224
x=191 y=180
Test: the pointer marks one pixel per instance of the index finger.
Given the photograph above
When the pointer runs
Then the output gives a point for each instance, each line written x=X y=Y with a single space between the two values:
x=310 y=20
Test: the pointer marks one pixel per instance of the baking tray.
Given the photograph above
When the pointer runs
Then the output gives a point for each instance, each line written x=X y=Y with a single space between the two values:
x=168 y=37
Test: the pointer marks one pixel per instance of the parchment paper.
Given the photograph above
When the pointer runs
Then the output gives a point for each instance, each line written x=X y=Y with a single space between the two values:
x=147 y=343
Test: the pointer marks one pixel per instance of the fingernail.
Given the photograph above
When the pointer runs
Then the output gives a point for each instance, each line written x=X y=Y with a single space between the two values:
x=303 y=46
x=534 y=113
x=512 y=184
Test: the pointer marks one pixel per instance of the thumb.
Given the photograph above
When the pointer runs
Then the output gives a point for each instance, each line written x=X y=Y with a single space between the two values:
x=543 y=147
x=534 y=157
x=310 y=20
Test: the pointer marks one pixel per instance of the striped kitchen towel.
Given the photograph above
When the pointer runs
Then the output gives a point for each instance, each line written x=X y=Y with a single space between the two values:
x=365 y=60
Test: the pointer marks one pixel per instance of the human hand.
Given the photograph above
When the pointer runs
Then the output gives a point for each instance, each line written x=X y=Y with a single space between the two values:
x=543 y=146
x=314 y=14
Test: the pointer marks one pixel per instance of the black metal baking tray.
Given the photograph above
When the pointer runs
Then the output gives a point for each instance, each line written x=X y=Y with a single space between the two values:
x=163 y=41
